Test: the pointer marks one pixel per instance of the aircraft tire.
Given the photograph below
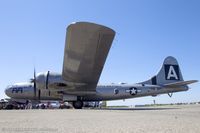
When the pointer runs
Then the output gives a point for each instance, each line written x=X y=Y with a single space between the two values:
x=9 y=107
x=78 y=104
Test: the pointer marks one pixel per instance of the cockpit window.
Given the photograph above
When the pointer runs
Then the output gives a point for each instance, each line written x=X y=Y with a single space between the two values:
x=9 y=86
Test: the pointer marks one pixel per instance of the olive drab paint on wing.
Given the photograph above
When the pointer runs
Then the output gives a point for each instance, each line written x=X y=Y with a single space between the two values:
x=86 y=48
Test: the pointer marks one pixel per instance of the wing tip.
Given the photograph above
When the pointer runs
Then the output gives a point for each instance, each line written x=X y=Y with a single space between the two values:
x=91 y=24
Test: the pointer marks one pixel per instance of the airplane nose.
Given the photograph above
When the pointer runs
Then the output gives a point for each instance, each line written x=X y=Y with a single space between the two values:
x=7 y=91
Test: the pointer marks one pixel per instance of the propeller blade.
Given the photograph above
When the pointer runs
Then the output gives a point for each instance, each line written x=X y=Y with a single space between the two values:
x=34 y=84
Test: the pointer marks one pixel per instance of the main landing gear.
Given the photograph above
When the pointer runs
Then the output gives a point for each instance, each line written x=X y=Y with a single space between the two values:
x=78 y=104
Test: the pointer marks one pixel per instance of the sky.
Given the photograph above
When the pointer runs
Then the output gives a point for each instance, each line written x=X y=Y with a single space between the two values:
x=32 y=33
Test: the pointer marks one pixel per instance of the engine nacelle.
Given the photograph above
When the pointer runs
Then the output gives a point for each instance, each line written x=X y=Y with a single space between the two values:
x=45 y=79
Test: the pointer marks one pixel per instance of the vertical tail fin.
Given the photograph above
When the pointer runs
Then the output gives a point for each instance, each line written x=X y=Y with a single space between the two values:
x=170 y=72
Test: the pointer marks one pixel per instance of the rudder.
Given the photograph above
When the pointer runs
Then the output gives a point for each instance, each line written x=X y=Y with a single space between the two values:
x=170 y=72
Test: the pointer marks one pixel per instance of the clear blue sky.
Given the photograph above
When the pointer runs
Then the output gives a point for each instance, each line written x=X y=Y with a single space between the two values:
x=33 y=33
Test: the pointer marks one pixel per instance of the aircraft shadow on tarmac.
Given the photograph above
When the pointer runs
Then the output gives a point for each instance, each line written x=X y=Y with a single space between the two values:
x=128 y=109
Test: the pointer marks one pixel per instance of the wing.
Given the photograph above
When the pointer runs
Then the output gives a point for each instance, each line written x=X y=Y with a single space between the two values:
x=86 y=48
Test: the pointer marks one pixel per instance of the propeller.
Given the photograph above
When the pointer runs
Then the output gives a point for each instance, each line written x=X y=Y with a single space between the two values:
x=33 y=80
x=34 y=84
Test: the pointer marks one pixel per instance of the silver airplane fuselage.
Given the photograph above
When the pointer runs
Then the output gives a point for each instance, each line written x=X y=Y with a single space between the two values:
x=86 y=48
x=103 y=92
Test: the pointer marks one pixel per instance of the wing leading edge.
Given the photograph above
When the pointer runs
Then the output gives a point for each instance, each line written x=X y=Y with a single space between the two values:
x=86 y=48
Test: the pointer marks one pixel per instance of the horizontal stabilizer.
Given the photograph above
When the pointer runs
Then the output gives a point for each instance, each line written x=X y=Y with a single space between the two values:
x=180 y=83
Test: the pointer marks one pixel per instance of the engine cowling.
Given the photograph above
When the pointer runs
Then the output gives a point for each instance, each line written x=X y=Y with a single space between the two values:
x=45 y=79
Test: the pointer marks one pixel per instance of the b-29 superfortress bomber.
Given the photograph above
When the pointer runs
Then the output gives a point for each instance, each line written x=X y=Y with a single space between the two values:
x=86 y=48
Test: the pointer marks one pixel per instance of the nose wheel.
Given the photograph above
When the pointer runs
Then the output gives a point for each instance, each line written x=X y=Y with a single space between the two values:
x=78 y=104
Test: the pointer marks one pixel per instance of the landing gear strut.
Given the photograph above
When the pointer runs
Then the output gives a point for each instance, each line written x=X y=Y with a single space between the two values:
x=78 y=104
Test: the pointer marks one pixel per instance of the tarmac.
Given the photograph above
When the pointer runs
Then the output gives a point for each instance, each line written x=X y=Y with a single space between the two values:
x=165 y=119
